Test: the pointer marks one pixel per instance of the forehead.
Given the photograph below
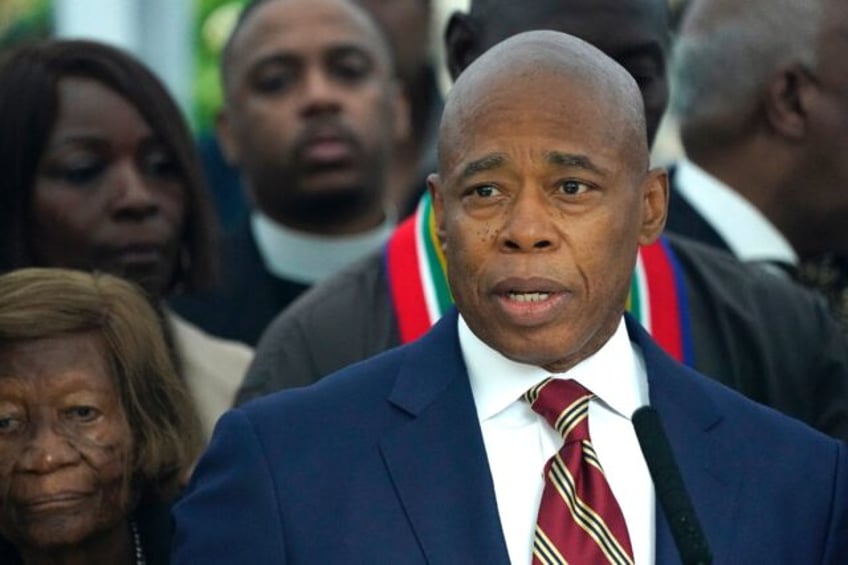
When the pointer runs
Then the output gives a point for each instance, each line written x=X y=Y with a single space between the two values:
x=296 y=26
x=613 y=26
x=87 y=106
x=565 y=116
x=74 y=361
x=392 y=10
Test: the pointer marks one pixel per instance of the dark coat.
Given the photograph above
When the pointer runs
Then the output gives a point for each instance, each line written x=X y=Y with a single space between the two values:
x=384 y=462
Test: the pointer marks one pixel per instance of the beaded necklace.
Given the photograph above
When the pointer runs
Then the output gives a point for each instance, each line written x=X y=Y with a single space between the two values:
x=139 y=552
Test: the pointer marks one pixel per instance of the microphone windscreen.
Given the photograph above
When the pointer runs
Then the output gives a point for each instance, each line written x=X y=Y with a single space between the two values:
x=670 y=489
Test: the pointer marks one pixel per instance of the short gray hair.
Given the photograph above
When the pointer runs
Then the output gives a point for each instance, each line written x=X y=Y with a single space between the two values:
x=725 y=58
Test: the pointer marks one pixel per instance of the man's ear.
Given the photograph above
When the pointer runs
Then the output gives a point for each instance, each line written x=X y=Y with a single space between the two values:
x=434 y=185
x=654 y=205
x=462 y=41
x=787 y=101
x=226 y=139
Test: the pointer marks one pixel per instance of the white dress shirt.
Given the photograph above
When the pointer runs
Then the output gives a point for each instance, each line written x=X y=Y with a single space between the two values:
x=519 y=441
x=308 y=258
x=749 y=234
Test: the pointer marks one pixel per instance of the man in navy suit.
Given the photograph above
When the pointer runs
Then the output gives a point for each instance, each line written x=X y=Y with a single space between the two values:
x=428 y=454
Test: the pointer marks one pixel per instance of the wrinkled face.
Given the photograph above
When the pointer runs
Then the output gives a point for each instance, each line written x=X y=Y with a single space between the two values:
x=312 y=107
x=108 y=194
x=541 y=208
x=65 y=443
x=632 y=32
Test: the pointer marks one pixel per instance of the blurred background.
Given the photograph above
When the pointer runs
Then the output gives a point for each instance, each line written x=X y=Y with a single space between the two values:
x=182 y=39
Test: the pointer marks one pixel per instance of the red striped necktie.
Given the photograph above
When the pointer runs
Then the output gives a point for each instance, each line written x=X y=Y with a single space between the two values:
x=579 y=519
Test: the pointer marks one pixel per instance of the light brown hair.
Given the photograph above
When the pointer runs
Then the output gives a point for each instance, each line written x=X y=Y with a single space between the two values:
x=38 y=303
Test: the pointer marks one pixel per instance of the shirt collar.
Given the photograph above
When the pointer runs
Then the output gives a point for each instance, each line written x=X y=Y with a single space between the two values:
x=307 y=258
x=615 y=374
x=749 y=234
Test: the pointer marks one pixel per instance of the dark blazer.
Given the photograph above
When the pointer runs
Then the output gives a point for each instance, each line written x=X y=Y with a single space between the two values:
x=684 y=220
x=384 y=462
x=247 y=298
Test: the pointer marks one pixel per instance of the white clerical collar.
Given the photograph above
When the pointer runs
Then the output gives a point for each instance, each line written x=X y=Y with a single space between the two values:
x=307 y=258
x=749 y=234
x=615 y=373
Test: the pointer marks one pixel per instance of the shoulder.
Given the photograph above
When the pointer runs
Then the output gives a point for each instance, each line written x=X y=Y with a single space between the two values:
x=356 y=391
x=213 y=368
x=214 y=350
x=689 y=400
x=720 y=278
x=356 y=288
x=341 y=320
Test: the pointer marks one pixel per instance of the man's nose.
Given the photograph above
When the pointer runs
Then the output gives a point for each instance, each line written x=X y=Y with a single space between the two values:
x=528 y=226
x=320 y=93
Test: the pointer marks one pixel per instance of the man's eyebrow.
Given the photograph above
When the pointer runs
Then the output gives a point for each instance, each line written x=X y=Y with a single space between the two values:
x=574 y=160
x=276 y=57
x=351 y=48
x=482 y=165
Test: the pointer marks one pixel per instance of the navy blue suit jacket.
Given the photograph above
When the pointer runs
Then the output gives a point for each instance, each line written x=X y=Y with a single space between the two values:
x=384 y=462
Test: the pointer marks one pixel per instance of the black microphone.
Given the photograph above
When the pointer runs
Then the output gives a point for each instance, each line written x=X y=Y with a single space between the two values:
x=671 y=492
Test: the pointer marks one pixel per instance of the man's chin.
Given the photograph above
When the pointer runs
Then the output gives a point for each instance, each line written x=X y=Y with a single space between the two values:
x=555 y=351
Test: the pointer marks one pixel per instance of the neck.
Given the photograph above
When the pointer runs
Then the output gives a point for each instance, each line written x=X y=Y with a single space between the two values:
x=738 y=164
x=330 y=217
x=114 y=546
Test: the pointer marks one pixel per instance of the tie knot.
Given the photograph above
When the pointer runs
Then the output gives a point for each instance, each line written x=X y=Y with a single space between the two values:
x=564 y=404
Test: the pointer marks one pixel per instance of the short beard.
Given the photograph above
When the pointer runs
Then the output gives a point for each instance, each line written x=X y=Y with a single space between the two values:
x=324 y=212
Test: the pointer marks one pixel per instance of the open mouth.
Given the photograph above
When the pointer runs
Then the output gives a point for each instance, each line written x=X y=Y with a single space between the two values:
x=528 y=296
x=531 y=301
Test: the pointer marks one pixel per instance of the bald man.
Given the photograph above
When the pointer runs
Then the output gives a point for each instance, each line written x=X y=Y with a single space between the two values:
x=721 y=318
x=429 y=453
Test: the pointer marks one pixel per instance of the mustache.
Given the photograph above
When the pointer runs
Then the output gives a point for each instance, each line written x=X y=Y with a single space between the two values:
x=323 y=128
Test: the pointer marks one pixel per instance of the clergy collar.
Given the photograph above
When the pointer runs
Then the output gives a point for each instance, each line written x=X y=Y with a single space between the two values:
x=307 y=258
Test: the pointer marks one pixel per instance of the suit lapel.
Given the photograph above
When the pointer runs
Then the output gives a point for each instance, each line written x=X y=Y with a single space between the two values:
x=438 y=464
x=693 y=423
x=437 y=461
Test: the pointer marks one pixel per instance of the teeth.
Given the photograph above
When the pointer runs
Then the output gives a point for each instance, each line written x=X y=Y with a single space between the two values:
x=529 y=296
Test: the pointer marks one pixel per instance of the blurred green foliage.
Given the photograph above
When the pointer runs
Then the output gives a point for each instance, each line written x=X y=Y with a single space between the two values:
x=24 y=20
x=214 y=21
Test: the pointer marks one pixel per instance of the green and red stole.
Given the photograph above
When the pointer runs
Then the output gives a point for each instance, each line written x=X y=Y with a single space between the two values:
x=416 y=274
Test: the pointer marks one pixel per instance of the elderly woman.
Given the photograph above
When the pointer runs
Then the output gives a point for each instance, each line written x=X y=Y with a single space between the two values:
x=99 y=172
x=96 y=429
